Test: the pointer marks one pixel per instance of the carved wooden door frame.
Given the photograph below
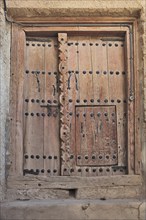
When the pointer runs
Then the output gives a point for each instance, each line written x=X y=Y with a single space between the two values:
x=128 y=30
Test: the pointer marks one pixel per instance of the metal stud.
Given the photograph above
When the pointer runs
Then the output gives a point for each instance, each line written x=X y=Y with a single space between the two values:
x=77 y=114
x=50 y=157
x=92 y=100
x=91 y=114
x=118 y=100
x=110 y=45
x=103 y=44
x=42 y=171
x=48 y=171
x=104 y=72
x=100 y=170
x=77 y=72
x=37 y=100
x=97 y=72
x=87 y=169
x=83 y=44
x=84 y=72
x=123 y=73
x=91 y=44
x=32 y=100
x=38 y=45
x=117 y=72
x=43 y=114
x=27 y=44
x=43 y=101
x=84 y=114
x=54 y=171
x=33 y=45
x=111 y=72
x=98 y=100
x=44 y=157
x=27 y=71
x=76 y=44
x=37 y=114
x=85 y=100
x=55 y=157
x=49 y=101
x=26 y=156
x=71 y=170
x=71 y=156
x=108 y=170
x=49 y=73
x=77 y=100
x=70 y=113
x=94 y=170
x=26 y=100
x=98 y=114
x=112 y=100
x=32 y=114
x=43 y=72
x=96 y=44
x=105 y=100
x=106 y=114
x=86 y=157
x=79 y=157
x=93 y=157
x=26 y=113
x=100 y=157
x=90 y=72
x=70 y=100
x=79 y=170
x=37 y=156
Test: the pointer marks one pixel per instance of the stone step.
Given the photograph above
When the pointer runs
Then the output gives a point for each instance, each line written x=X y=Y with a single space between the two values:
x=72 y=209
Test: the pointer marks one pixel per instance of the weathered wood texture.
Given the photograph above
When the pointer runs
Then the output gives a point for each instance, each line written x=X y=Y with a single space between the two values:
x=72 y=105
x=97 y=105
x=41 y=109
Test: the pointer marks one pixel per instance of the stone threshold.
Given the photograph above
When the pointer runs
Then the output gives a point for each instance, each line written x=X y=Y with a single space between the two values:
x=72 y=209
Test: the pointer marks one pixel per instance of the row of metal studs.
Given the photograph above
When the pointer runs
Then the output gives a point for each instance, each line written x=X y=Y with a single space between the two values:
x=38 y=171
x=78 y=101
x=77 y=72
x=96 y=44
x=38 y=44
x=76 y=44
x=41 y=114
x=39 y=157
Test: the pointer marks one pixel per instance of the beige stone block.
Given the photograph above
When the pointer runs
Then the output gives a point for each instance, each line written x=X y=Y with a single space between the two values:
x=142 y=211
x=120 y=192
x=18 y=8
x=70 y=210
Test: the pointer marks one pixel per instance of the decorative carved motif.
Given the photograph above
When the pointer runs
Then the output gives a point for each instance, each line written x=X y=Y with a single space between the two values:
x=64 y=118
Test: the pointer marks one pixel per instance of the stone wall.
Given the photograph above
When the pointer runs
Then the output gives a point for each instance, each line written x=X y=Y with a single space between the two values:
x=4 y=93
x=27 y=8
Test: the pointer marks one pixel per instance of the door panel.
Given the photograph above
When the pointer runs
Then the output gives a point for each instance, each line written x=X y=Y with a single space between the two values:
x=96 y=106
x=97 y=143
x=41 y=109
x=75 y=106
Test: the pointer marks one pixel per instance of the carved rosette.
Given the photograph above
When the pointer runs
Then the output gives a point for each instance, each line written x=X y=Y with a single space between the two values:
x=63 y=94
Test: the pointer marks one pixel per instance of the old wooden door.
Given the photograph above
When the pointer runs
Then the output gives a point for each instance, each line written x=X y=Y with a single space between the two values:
x=75 y=106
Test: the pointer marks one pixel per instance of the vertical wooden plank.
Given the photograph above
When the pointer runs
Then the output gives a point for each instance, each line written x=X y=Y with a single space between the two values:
x=51 y=122
x=17 y=60
x=130 y=125
x=34 y=115
x=64 y=118
x=73 y=95
x=19 y=103
x=117 y=93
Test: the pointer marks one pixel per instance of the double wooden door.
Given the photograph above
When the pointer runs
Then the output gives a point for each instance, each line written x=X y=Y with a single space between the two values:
x=75 y=106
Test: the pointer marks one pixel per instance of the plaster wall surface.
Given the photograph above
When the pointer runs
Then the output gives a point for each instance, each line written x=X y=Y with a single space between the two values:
x=4 y=93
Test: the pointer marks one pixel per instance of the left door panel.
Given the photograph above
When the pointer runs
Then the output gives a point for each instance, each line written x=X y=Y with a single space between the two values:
x=41 y=108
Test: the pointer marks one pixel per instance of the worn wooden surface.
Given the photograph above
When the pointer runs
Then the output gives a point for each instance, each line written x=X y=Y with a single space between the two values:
x=93 y=77
x=65 y=182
